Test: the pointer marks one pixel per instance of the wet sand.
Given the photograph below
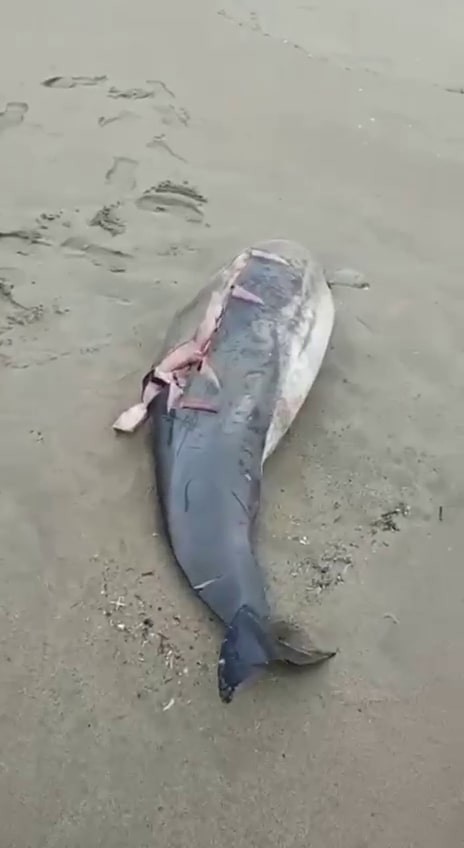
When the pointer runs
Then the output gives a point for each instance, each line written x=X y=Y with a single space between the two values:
x=312 y=122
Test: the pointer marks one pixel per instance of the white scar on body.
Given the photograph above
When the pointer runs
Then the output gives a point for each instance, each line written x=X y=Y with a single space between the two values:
x=201 y=586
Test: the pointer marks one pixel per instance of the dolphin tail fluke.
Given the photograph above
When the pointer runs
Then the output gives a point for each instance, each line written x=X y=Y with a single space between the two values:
x=294 y=646
x=247 y=648
x=252 y=643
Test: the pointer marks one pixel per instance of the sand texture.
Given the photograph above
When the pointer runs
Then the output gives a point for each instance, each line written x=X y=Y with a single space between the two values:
x=337 y=124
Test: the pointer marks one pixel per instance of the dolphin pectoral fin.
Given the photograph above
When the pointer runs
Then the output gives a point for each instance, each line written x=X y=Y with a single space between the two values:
x=298 y=656
x=347 y=277
x=243 y=294
x=131 y=419
x=296 y=647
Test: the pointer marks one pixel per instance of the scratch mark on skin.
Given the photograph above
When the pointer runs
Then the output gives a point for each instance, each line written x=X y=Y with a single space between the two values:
x=239 y=501
x=198 y=406
x=208 y=372
x=181 y=441
x=186 y=497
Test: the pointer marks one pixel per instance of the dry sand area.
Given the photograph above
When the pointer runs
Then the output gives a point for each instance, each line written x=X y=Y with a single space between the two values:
x=339 y=124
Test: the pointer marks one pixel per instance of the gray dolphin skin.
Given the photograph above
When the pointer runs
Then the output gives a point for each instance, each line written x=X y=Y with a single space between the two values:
x=209 y=451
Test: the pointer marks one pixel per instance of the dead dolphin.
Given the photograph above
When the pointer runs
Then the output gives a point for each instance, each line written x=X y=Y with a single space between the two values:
x=218 y=404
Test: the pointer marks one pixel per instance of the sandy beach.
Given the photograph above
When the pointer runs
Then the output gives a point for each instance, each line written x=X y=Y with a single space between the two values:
x=340 y=125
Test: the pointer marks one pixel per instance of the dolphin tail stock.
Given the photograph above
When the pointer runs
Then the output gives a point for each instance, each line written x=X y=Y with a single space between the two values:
x=251 y=643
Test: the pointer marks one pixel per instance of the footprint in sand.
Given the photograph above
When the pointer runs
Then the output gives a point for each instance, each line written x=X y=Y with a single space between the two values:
x=114 y=260
x=108 y=219
x=130 y=93
x=72 y=82
x=14 y=313
x=172 y=117
x=156 y=87
x=159 y=142
x=13 y=115
x=183 y=189
x=121 y=175
x=125 y=115
x=23 y=240
x=175 y=198
x=160 y=86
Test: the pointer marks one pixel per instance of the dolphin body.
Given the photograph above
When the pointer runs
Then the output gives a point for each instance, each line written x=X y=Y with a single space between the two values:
x=209 y=455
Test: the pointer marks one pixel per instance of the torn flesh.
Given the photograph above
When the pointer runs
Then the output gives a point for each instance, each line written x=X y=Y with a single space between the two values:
x=131 y=418
x=174 y=368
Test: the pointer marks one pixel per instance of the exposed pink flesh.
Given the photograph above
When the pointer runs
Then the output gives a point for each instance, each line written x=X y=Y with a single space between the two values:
x=132 y=418
x=165 y=376
x=218 y=301
x=184 y=354
x=192 y=351
x=213 y=314
x=239 y=263
x=149 y=393
x=243 y=294
x=181 y=376
x=174 y=369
